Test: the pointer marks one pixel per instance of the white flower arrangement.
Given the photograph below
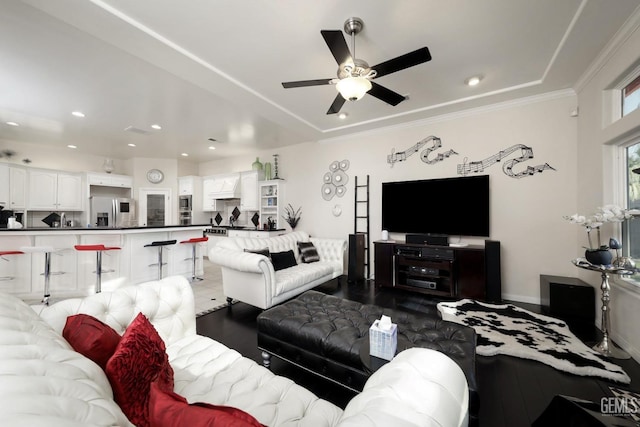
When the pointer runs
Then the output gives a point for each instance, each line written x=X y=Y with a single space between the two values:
x=604 y=214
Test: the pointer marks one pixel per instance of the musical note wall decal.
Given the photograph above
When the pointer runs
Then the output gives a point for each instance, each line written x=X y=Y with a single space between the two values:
x=526 y=153
x=424 y=155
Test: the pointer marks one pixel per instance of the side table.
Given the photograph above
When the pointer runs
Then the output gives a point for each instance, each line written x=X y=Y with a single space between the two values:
x=605 y=346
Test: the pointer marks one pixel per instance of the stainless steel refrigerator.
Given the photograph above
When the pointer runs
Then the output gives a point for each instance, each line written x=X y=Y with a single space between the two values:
x=113 y=212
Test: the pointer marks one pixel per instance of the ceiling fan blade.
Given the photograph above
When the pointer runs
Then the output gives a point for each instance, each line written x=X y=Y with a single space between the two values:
x=337 y=105
x=401 y=62
x=337 y=45
x=386 y=95
x=304 y=83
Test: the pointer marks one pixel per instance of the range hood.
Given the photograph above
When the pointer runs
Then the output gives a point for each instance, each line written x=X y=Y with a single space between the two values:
x=225 y=187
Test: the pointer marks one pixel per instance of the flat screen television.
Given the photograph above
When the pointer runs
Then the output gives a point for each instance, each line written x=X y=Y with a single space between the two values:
x=448 y=206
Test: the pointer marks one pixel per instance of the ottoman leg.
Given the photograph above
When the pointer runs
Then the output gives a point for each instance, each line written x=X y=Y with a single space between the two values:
x=266 y=360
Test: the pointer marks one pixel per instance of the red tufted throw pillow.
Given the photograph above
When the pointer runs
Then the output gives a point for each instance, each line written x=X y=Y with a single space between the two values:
x=168 y=409
x=91 y=337
x=139 y=360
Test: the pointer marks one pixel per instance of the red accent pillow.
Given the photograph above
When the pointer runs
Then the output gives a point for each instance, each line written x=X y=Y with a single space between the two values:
x=90 y=337
x=139 y=360
x=168 y=409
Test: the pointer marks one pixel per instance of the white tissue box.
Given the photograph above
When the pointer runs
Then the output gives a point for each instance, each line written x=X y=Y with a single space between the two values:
x=383 y=342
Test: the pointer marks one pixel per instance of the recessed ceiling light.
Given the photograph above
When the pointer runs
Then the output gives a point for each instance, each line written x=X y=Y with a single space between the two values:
x=211 y=147
x=131 y=145
x=472 y=81
x=72 y=146
x=78 y=113
x=184 y=155
x=156 y=127
x=342 y=116
x=13 y=124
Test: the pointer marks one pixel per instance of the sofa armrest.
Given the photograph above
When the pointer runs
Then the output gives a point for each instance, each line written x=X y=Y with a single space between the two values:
x=331 y=250
x=239 y=260
x=419 y=387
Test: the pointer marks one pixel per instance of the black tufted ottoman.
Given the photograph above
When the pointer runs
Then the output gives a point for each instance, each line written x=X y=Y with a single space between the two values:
x=323 y=334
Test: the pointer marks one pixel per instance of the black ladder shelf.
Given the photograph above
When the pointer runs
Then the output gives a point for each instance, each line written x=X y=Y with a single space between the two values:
x=362 y=220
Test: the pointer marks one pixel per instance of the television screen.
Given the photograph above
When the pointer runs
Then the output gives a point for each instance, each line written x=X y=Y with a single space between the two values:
x=451 y=206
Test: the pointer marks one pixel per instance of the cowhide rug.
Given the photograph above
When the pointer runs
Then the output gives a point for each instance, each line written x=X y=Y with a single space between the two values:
x=513 y=331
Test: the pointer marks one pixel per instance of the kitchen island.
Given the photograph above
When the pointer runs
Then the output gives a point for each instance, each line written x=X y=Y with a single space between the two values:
x=73 y=272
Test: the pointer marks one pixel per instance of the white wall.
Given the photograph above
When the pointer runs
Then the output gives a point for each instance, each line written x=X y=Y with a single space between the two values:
x=526 y=214
x=597 y=173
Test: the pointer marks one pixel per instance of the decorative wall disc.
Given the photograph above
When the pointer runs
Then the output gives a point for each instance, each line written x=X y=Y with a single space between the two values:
x=328 y=191
x=335 y=181
x=340 y=178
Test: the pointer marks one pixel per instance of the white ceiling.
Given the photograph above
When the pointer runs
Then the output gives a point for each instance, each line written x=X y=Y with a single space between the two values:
x=213 y=69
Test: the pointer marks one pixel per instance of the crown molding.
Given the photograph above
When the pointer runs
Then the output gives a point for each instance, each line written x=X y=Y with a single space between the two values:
x=627 y=30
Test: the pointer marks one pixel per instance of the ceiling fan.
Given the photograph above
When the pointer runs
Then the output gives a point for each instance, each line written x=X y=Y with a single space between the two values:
x=355 y=75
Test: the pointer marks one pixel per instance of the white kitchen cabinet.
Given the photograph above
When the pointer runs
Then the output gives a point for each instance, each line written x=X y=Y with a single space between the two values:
x=263 y=234
x=109 y=180
x=271 y=196
x=51 y=190
x=208 y=202
x=17 y=188
x=255 y=234
x=249 y=190
x=4 y=189
x=186 y=185
x=237 y=233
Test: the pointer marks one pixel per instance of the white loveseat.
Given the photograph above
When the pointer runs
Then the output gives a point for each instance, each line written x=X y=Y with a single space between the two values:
x=44 y=382
x=251 y=278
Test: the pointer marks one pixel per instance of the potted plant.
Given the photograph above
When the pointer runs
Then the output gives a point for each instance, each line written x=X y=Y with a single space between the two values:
x=292 y=216
x=599 y=254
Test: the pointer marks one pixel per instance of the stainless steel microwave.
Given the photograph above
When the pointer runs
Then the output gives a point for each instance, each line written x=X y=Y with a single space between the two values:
x=185 y=203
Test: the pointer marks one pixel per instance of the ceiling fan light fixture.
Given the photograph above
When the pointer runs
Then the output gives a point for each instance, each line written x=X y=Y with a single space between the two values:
x=353 y=88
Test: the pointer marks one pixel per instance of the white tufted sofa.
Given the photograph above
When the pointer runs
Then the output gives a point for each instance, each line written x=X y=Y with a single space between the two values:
x=43 y=382
x=250 y=277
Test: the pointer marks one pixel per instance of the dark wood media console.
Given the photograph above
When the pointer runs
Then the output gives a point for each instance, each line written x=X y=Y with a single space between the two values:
x=451 y=272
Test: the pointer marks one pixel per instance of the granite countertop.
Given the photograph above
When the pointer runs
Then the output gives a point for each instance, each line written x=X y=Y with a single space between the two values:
x=100 y=228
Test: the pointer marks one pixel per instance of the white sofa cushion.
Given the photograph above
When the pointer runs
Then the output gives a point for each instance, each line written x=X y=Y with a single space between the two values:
x=207 y=371
x=295 y=277
x=43 y=381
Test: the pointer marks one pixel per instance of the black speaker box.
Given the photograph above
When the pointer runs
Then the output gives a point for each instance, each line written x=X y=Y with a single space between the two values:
x=356 y=258
x=569 y=299
x=492 y=270
x=428 y=239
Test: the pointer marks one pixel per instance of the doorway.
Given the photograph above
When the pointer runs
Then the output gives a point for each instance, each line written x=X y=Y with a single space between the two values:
x=155 y=207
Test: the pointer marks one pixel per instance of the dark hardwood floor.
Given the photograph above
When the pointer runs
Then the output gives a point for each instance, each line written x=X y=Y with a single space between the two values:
x=513 y=392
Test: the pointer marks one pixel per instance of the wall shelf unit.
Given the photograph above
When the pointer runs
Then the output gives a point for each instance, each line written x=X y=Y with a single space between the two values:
x=271 y=201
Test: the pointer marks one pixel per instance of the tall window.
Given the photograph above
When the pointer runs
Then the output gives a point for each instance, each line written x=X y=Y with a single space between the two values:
x=631 y=228
x=631 y=96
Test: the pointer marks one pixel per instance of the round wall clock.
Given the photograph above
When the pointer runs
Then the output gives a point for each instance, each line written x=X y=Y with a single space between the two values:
x=155 y=176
